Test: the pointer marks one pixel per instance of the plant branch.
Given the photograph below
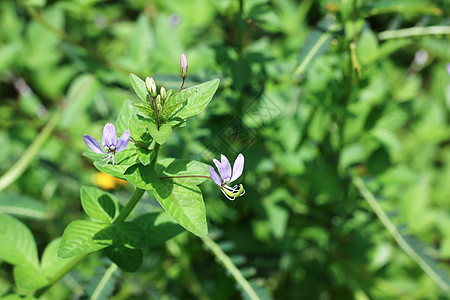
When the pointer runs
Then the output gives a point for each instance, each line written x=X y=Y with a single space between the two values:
x=24 y=161
x=413 y=32
x=182 y=84
x=130 y=205
x=57 y=276
x=228 y=264
x=398 y=237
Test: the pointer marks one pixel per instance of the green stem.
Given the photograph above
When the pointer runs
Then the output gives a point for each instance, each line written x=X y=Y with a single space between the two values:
x=320 y=42
x=228 y=264
x=22 y=164
x=397 y=236
x=156 y=149
x=414 y=31
x=137 y=193
x=130 y=205
x=56 y=277
x=103 y=282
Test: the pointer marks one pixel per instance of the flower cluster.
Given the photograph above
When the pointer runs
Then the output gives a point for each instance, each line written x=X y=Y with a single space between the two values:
x=228 y=175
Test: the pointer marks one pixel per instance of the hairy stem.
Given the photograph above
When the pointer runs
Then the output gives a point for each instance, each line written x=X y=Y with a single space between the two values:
x=228 y=264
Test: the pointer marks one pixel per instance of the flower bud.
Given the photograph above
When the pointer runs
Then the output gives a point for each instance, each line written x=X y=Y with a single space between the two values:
x=151 y=86
x=158 y=102
x=184 y=65
x=163 y=93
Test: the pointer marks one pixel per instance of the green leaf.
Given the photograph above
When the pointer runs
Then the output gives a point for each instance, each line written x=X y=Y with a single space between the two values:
x=78 y=238
x=128 y=234
x=139 y=87
x=126 y=258
x=182 y=167
x=28 y=278
x=184 y=203
x=139 y=132
x=51 y=263
x=162 y=135
x=99 y=205
x=17 y=245
x=146 y=109
x=197 y=102
x=144 y=177
x=125 y=113
x=23 y=206
x=176 y=102
x=158 y=227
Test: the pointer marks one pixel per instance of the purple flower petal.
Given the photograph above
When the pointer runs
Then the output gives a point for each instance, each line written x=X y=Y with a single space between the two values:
x=109 y=136
x=238 y=167
x=93 y=144
x=218 y=164
x=448 y=68
x=123 y=141
x=225 y=168
x=214 y=176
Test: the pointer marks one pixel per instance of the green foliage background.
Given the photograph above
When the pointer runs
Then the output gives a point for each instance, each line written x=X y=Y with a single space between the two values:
x=341 y=113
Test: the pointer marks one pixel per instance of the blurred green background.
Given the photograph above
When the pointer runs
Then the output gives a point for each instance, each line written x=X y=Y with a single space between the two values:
x=341 y=108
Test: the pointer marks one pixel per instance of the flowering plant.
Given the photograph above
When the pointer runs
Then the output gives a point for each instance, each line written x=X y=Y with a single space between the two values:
x=145 y=127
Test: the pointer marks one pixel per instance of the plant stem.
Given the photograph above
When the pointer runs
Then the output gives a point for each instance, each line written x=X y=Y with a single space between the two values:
x=67 y=268
x=185 y=176
x=137 y=143
x=414 y=31
x=130 y=205
x=156 y=149
x=156 y=111
x=228 y=264
x=397 y=236
x=320 y=42
x=182 y=84
x=21 y=165
x=103 y=282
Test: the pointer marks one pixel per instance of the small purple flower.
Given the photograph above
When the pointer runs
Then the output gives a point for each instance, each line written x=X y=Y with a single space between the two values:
x=184 y=65
x=227 y=175
x=448 y=68
x=109 y=141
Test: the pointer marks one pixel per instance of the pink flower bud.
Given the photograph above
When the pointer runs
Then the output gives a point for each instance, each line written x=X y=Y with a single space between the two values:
x=184 y=65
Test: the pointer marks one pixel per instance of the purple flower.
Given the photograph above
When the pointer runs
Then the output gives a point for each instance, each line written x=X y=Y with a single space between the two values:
x=109 y=141
x=228 y=175
x=448 y=68
x=184 y=65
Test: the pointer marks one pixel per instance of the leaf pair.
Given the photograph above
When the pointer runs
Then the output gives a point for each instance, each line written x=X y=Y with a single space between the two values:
x=124 y=241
